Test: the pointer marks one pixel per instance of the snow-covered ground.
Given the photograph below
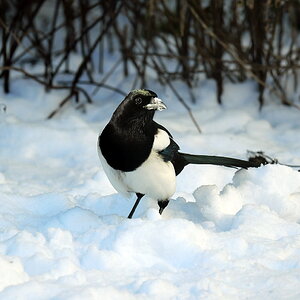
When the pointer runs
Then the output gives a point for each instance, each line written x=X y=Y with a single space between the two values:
x=226 y=234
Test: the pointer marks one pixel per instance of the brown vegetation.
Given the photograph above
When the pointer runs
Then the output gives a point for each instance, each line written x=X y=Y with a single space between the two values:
x=223 y=40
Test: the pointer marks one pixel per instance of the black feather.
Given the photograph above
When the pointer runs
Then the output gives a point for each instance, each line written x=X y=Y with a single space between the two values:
x=219 y=161
x=169 y=153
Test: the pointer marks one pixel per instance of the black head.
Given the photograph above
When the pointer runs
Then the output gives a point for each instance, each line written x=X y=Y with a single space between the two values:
x=138 y=104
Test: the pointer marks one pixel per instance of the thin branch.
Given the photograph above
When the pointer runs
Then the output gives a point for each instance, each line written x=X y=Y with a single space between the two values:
x=242 y=63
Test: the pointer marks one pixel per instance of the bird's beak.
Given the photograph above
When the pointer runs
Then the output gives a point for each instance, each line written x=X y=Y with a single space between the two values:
x=156 y=104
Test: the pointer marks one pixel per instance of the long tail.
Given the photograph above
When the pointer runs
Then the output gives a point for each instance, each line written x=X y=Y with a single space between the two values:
x=219 y=161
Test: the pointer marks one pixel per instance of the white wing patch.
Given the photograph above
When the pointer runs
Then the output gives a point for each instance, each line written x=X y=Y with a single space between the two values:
x=161 y=140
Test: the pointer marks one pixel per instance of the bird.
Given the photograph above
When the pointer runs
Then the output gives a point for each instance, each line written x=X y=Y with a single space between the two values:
x=140 y=156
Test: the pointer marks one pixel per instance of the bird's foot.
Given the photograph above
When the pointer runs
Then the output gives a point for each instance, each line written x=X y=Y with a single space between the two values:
x=162 y=205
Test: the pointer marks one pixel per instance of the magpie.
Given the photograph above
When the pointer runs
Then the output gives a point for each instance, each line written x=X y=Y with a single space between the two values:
x=140 y=156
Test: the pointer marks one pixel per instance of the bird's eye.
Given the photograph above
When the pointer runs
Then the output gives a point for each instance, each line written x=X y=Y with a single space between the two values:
x=138 y=100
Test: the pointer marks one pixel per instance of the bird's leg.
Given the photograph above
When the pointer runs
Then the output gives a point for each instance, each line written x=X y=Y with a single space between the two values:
x=137 y=201
x=162 y=205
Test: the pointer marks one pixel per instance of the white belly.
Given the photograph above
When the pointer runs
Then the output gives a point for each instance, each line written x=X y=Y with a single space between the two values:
x=154 y=178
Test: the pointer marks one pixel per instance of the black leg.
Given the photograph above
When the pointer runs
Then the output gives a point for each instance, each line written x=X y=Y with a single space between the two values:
x=162 y=205
x=137 y=201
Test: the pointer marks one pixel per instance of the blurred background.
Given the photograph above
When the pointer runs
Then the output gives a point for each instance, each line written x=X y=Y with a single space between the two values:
x=79 y=45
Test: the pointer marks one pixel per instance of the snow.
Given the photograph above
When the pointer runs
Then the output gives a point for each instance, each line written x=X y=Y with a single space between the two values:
x=226 y=234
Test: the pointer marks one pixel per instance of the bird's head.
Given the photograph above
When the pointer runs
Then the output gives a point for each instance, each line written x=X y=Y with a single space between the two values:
x=145 y=100
x=140 y=103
